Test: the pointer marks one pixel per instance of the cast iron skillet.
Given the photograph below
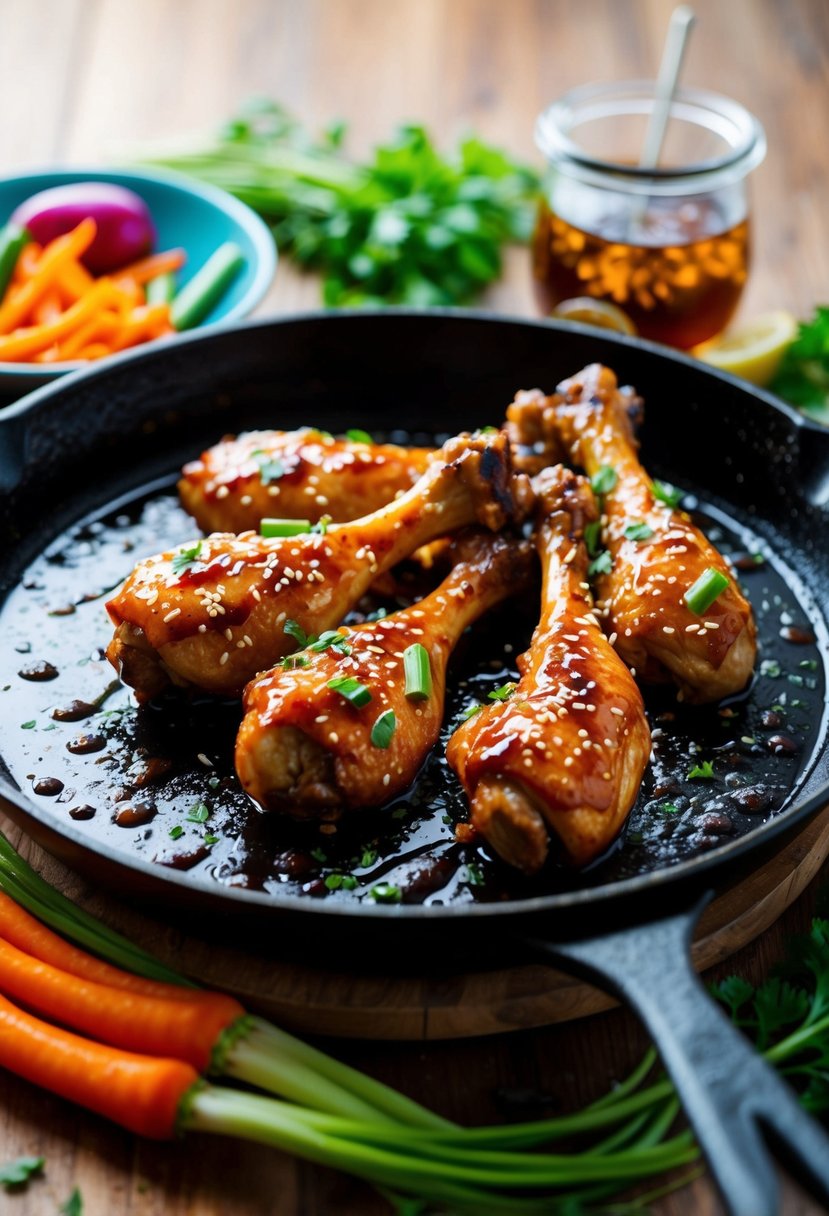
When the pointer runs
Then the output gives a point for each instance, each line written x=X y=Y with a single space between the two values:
x=80 y=444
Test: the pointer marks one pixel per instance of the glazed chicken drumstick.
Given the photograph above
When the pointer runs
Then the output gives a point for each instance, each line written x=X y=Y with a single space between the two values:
x=304 y=474
x=210 y=615
x=351 y=726
x=565 y=754
x=655 y=554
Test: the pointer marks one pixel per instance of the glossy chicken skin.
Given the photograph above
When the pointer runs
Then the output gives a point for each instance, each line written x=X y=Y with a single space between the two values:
x=303 y=474
x=709 y=655
x=304 y=749
x=565 y=754
x=219 y=621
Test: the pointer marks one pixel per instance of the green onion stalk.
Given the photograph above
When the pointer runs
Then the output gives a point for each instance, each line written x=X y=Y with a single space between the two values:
x=337 y=1116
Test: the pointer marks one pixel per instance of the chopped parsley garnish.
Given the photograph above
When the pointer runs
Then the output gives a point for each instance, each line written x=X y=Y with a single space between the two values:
x=386 y=893
x=639 y=531
x=176 y=831
x=592 y=535
x=186 y=557
x=271 y=468
x=474 y=874
x=352 y=690
x=19 y=1171
x=708 y=587
x=417 y=672
x=368 y=858
x=28 y=725
x=604 y=481
x=665 y=492
x=330 y=638
x=771 y=668
x=503 y=693
x=198 y=813
x=73 y=1206
x=294 y=630
x=702 y=772
x=601 y=564
x=358 y=436
x=382 y=731
x=210 y=840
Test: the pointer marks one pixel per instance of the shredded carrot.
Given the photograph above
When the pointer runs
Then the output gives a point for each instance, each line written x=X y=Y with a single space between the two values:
x=24 y=343
x=151 y=267
x=143 y=324
x=25 y=931
x=59 y=252
x=142 y=1094
x=182 y=1030
x=99 y=330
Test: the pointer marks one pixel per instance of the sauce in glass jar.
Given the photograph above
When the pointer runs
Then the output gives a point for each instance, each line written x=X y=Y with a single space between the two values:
x=668 y=245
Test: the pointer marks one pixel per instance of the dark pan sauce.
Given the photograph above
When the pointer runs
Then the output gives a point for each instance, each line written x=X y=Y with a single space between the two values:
x=158 y=782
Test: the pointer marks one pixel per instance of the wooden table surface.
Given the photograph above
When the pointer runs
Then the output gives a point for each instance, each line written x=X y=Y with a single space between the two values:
x=78 y=79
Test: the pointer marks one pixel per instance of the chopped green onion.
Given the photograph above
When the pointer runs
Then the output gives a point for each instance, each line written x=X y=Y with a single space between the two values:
x=210 y=840
x=332 y=638
x=601 y=564
x=12 y=240
x=386 y=893
x=665 y=492
x=292 y=661
x=185 y=558
x=702 y=772
x=176 y=831
x=352 y=690
x=284 y=527
x=368 y=858
x=28 y=725
x=640 y=531
x=668 y=808
x=604 y=481
x=710 y=584
x=199 y=297
x=592 y=534
x=418 y=672
x=771 y=668
x=199 y=813
x=383 y=729
x=358 y=436
x=470 y=712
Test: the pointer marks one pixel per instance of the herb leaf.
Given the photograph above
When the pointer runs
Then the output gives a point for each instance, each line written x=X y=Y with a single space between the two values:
x=73 y=1206
x=358 y=436
x=186 y=557
x=638 y=531
x=665 y=492
x=294 y=630
x=604 y=481
x=198 y=813
x=601 y=564
x=382 y=732
x=19 y=1171
x=352 y=690
x=702 y=772
x=503 y=693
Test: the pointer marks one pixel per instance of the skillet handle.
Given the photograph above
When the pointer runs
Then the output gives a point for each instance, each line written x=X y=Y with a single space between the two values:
x=727 y=1089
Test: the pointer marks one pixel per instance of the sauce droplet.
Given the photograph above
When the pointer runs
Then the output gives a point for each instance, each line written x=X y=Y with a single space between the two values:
x=41 y=670
x=47 y=786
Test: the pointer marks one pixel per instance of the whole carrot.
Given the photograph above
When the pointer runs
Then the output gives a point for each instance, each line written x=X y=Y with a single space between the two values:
x=141 y=1093
x=184 y=1030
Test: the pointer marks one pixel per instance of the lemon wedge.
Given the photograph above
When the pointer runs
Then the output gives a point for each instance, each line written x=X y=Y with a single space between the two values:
x=594 y=312
x=754 y=350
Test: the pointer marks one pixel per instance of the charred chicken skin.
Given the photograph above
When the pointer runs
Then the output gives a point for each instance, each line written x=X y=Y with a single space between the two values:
x=211 y=614
x=655 y=553
x=305 y=474
x=565 y=754
x=312 y=745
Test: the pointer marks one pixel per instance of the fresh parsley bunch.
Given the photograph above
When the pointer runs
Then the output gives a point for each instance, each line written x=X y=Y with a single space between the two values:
x=410 y=227
x=803 y=377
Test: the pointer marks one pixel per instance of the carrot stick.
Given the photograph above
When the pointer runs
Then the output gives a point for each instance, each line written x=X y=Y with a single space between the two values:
x=152 y=266
x=181 y=1030
x=59 y=252
x=144 y=323
x=94 y=350
x=74 y=281
x=25 y=343
x=143 y=1094
x=27 y=263
x=48 y=309
x=23 y=930
x=103 y=327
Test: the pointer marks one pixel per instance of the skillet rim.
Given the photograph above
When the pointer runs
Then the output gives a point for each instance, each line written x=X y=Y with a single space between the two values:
x=701 y=871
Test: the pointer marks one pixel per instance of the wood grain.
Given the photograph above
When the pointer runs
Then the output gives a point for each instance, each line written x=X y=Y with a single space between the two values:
x=80 y=79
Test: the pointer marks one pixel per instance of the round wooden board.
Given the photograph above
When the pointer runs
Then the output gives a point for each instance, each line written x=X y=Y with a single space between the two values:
x=438 y=1006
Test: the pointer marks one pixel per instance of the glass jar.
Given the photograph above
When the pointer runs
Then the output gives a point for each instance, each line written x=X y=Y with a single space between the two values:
x=668 y=245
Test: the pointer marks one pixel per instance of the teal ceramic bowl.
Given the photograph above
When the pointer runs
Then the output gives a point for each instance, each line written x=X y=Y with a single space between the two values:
x=187 y=214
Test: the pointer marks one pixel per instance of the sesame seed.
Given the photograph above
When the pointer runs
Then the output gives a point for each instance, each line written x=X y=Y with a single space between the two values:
x=691 y=628
x=229 y=634
x=668 y=629
x=202 y=629
x=224 y=659
x=614 y=709
x=333 y=737
x=204 y=760
x=173 y=613
x=246 y=500
x=568 y=761
x=222 y=492
x=712 y=625
x=387 y=779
